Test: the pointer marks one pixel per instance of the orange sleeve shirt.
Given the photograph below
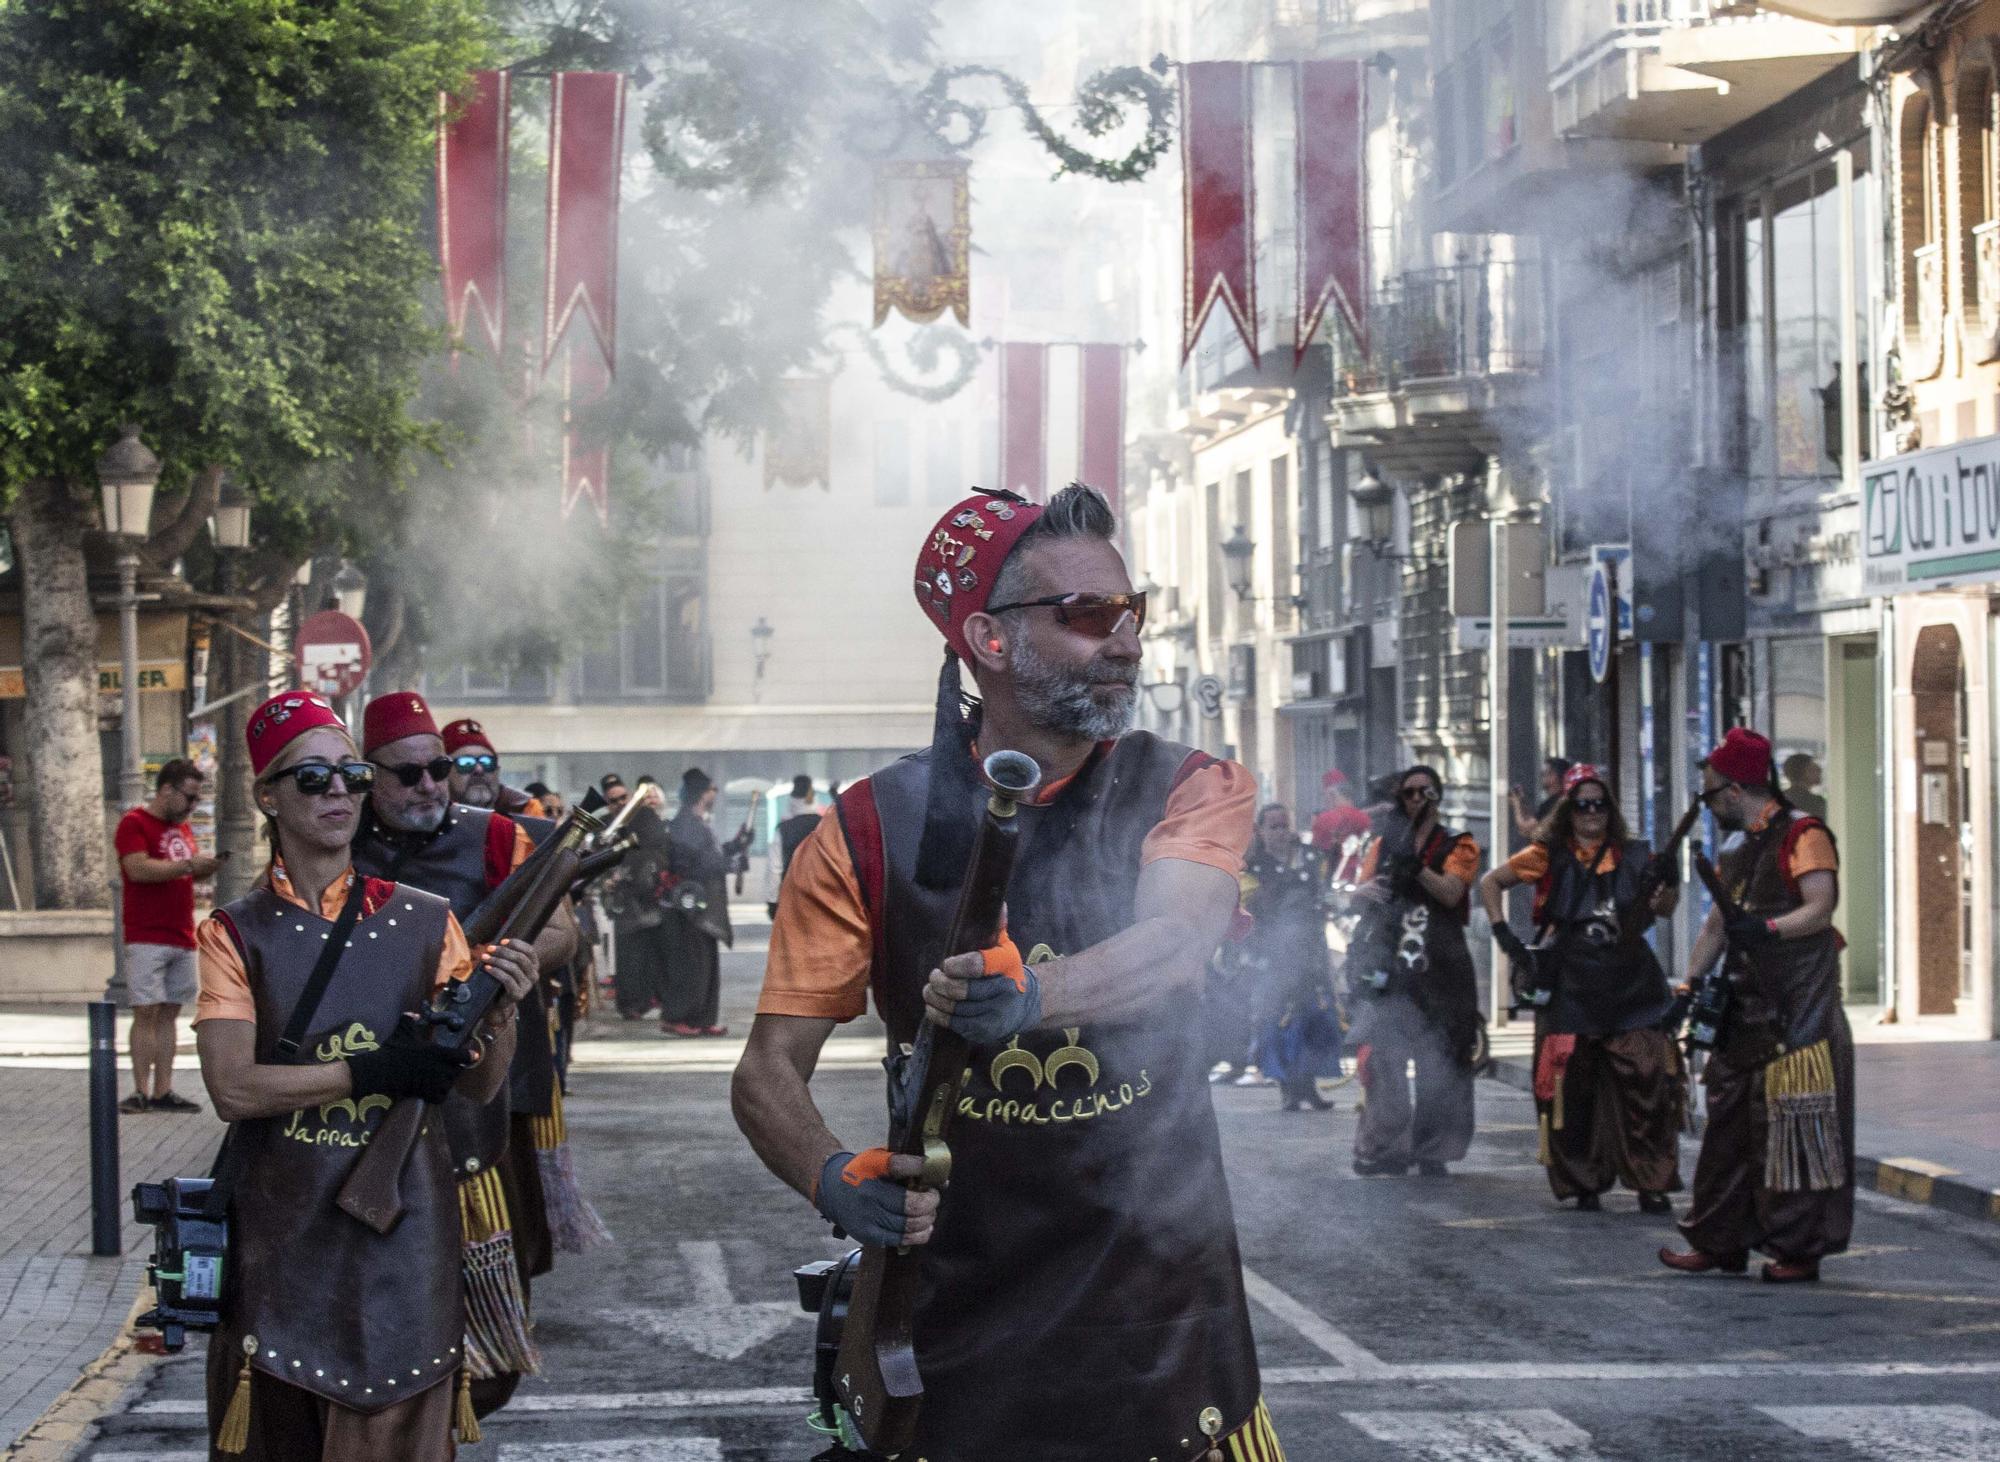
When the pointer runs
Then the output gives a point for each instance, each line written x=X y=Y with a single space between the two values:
x=822 y=943
x=1462 y=862
x=225 y=983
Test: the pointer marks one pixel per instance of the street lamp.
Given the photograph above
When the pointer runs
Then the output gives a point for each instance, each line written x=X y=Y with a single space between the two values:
x=126 y=477
x=350 y=591
x=1375 y=500
x=232 y=516
x=1237 y=551
x=761 y=634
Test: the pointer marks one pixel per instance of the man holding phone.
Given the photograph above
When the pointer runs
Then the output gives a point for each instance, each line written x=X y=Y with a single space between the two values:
x=158 y=865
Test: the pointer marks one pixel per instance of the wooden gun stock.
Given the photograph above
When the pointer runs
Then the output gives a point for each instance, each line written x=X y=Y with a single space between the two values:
x=518 y=909
x=875 y=1372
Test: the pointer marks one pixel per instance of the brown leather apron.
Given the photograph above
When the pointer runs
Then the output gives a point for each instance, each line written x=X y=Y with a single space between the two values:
x=360 y=1318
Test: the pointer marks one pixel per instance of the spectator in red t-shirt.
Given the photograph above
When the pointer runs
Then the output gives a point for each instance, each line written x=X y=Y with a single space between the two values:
x=1338 y=818
x=159 y=865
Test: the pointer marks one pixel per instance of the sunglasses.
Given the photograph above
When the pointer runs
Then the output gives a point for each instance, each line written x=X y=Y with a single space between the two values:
x=412 y=772
x=315 y=778
x=471 y=761
x=1098 y=615
x=1590 y=804
x=1418 y=794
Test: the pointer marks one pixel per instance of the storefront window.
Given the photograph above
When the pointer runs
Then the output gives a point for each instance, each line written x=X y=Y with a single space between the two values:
x=1798 y=721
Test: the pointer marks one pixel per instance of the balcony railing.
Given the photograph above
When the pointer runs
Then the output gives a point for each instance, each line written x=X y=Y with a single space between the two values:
x=1469 y=320
x=1579 y=31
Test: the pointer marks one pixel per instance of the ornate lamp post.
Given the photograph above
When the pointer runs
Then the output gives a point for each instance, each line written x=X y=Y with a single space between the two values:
x=1237 y=551
x=126 y=476
x=235 y=822
x=350 y=591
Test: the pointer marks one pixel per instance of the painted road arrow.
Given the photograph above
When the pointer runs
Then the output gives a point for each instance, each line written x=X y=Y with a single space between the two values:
x=716 y=1324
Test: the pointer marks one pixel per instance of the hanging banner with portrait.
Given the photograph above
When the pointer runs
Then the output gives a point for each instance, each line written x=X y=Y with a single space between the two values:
x=923 y=240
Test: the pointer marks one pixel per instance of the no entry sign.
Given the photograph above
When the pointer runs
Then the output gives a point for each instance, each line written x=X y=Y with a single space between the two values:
x=334 y=654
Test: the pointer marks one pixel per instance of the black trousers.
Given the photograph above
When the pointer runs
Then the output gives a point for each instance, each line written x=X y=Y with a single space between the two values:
x=693 y=990
x=642 y=969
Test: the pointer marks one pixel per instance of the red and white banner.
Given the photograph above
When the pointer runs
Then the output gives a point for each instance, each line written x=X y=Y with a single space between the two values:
x=1100 y=436
x=586 y=143
x=1219 y=195
x=1024 y=420
x=586 y=447
x=472 y=205
x=1332 y=110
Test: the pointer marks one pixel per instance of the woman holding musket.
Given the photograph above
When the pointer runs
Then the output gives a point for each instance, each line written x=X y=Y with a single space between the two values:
x=1609 y=1085
x=337 y=1341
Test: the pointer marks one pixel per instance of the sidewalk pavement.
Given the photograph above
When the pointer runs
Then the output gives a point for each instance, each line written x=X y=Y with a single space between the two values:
x=1927 y=1128
x=59 y=1305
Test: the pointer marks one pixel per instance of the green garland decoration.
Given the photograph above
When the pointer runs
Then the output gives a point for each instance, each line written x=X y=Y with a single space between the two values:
x=1103 y=103
x=926 y=351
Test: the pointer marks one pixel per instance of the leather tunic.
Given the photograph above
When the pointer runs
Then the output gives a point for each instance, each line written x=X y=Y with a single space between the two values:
x=1609 y=979
x=453 y=864
x=1421 y=943
x=361 y=1318
x=1083 y=1293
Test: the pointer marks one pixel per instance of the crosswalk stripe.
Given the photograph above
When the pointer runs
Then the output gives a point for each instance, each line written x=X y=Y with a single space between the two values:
x=149 y=1457
x=1898 y=1433
x=638 y=1449
x=1478 y=1436
x=1311 y=1325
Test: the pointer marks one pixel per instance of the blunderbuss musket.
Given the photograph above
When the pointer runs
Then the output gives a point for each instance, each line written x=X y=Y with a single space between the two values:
x=874 y=1370
x=1713 y=998
x=516 y=910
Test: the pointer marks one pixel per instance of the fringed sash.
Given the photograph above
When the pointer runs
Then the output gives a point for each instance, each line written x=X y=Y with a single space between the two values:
x=1803 y=1151
x=497 y=1341
x=574 y=1225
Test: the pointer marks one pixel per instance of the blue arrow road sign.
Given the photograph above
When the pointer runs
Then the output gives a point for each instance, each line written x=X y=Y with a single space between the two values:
x=1597 y=623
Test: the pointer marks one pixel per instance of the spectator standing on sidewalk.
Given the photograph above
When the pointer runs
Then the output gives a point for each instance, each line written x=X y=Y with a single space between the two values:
x=158 y=865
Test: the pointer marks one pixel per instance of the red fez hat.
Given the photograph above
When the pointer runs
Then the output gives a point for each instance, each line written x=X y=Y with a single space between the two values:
x=1583 y=772
x=393 y=716
x=962 y=555
x=281 y=720
x=1334 y=778
x=1743 y=757
x=467 y=732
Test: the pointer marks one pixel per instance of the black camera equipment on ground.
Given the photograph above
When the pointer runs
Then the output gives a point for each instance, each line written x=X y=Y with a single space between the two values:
x=190 y=1248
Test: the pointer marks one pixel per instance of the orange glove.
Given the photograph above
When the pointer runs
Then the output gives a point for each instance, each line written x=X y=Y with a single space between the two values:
x=864 y=1204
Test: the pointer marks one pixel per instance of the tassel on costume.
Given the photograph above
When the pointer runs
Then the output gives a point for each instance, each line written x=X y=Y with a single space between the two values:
x=574 y=1224
x=1803 y=1151
x=497 y=1341
x=1542 y=1154
x=233 y=1437
x=467 y=1421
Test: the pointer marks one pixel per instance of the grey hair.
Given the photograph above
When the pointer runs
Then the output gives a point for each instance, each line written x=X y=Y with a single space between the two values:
x=1076 y=511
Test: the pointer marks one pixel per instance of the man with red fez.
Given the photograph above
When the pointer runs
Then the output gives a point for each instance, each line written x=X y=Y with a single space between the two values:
x=413 y=832
x=1776 y=1171
x=1610 y=1090
x=1083 y=1293
x=475 y=773
x=336 y=1342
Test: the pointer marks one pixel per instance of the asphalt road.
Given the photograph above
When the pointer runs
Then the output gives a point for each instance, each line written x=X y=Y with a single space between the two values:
x=1464 y=1319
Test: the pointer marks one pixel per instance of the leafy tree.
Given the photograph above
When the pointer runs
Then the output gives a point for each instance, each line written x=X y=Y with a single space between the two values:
x=210 y=225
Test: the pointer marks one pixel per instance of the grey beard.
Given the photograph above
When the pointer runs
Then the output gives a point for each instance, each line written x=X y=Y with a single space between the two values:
x=418 y=820
x=1063 y=702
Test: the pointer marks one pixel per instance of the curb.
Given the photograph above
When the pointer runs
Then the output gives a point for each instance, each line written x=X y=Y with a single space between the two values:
x=70 y=1422
x=1909 y=1179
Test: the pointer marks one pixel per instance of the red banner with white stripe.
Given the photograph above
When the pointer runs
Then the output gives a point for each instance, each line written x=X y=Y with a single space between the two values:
x=586 y=143
x=472 y=205
x=1100 y=446
x=586 y=447
x=1024 y=424
x=1219 y=197
x=1332 y=109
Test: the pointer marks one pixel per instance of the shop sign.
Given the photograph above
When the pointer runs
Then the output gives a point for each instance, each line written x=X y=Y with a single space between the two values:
x=155 y=675
x=1931 y=519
